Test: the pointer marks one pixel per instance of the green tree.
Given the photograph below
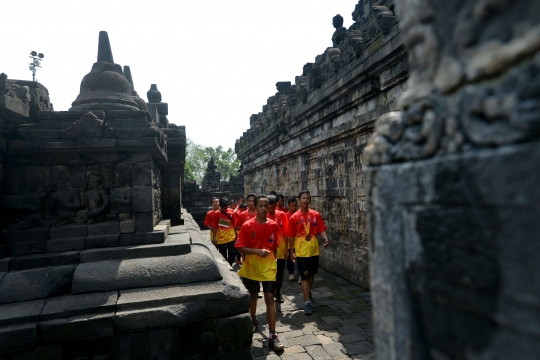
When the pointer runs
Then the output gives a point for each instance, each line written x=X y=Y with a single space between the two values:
x=197 y=157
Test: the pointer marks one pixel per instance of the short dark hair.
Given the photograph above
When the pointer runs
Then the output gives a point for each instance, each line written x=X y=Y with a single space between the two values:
x=223 y=202
x=259 y=197
x=291 y=200
x=215 y=198
x=241 y=197
x=272 y=193
x=272 y=199
x=280 y=196
x=250 y=195
x=304 y=192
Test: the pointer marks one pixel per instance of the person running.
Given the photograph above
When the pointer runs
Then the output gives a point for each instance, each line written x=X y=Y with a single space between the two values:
x=281 y=203
x=240 y=209
x=224 y=232
x=283 y=249
x=304 y=226
x=292 y=204
x=208 y=218
x=258 y=240
x=250 y=213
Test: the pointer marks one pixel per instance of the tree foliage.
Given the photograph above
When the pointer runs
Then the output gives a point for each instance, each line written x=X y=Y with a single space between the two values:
x=197 y=157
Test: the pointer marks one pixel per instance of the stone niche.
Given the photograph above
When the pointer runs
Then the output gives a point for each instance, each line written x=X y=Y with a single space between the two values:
x=311 y=134
x=97 y=257
x=452 y=187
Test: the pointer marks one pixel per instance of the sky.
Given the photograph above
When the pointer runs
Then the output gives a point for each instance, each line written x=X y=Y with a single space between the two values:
x=215 y=62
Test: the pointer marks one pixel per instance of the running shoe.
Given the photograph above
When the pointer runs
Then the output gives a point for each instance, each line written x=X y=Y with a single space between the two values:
x=275 y=344
x=291 y=277
x=279 y=298
x=308 y=310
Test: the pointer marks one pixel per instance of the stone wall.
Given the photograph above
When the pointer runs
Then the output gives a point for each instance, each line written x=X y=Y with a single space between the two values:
x=312 y=134
x=453 y=187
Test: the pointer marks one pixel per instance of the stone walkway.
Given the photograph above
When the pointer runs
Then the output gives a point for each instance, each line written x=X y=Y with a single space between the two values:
x=340 y=327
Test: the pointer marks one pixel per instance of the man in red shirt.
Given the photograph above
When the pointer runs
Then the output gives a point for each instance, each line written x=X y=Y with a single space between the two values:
x=304 y=226
x=208 y=218
x=250 y=213
x=292 y=204
x=281 y=203
x=283 y=249
x=258 y=240
x=223 y=229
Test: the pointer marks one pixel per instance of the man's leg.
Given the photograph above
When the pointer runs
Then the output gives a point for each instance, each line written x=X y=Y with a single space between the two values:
x=279 y=278
x=253 y=305
x=231 y=252
x=270 y=311
x=222 y=248
x=306 y=287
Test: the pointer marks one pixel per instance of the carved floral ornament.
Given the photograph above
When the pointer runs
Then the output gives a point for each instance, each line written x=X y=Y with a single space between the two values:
x=477 y=89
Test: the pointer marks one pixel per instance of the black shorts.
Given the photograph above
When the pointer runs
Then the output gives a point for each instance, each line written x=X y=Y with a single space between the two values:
x=253 y=286
x=307 y=266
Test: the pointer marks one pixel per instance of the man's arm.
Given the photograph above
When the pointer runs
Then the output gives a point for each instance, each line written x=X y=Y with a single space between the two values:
x=326 y=242
x=261 y=252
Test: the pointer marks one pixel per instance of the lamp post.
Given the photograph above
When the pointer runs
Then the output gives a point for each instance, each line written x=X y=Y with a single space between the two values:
x=36 y=63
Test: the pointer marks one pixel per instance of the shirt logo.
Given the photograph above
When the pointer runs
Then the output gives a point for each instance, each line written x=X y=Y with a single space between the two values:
x=271 y=239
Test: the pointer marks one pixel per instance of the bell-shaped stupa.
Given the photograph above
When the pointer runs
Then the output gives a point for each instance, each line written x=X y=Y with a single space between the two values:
x=105 y=87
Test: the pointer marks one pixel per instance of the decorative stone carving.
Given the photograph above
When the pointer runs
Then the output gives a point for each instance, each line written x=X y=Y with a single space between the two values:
x=384 y=16
x=339 y=35
x=153 y=95
x=87 y=127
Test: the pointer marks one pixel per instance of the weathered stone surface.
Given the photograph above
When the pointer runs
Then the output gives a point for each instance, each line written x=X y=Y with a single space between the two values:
x=44 y=260
x=36 y=283
x=133 y=273
x=65 y=245
x=101 y=241
x=157 y=344
x=51 y=352
x=234 y=333
x=21 y=312
x=18 y=337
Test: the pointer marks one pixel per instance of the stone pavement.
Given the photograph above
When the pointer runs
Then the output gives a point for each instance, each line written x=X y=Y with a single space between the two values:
x=340 y=327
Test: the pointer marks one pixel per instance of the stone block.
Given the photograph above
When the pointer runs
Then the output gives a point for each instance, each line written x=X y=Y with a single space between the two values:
x=101 y=241
x=51 y=352
x=141 y=156
x=18 y=337
x=155 y=237
x=121 y=200
x=14 y=181
x=36 y=283
x=69 y=177
x=65 y=245
x=123 y=175
x=143 y=198
x=71 y=231
x=141 y=173
x=104 y=228
x=27 y=262
x=111 y=275
x=21 y=312
x=156 y=344
x=77 y=305
x=127 y=223
x=76 y=328
x=27 y=248
x=31 y=235
x=144 y=222
x=170 y=248
x=4 y=264
x=234 y=333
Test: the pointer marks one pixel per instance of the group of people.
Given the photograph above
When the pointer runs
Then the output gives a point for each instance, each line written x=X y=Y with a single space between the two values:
x=263 y=235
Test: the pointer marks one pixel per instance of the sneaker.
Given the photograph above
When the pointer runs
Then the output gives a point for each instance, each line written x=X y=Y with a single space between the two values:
x=299 y=280
x=291 y=277
x=275 y=344
x=310 y=296
x=279 y=298
x=308 y=310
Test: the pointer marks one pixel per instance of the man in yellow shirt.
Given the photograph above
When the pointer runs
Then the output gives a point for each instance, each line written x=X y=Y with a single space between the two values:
x=304 y=226
x=258 y=241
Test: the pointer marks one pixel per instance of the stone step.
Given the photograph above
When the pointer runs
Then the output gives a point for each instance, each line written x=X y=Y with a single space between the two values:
x=176 y=244
x=118 y=274
x=27 y=262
